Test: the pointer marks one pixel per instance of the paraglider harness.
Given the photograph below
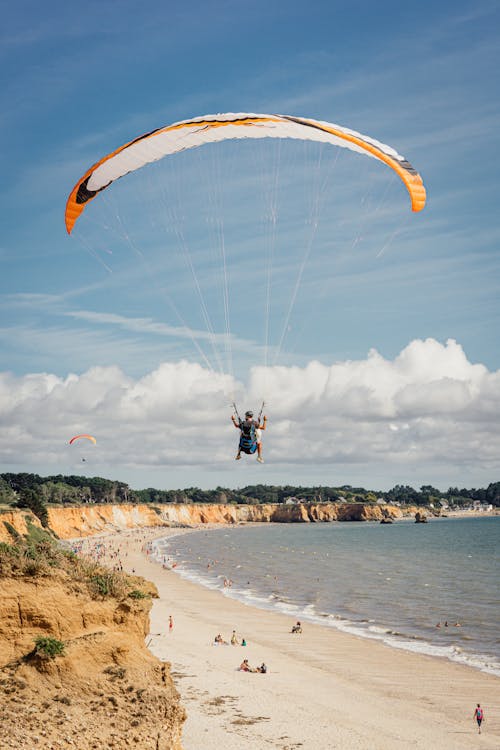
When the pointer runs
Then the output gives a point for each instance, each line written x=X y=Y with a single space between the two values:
x=248 y=437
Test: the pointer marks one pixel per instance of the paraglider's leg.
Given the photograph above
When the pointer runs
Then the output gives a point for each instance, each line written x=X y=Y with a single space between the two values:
x=259 y=453
x=238 y=455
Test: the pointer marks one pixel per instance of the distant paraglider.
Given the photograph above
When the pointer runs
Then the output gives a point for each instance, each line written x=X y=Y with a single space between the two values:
x=79 y=437
x=75 y=440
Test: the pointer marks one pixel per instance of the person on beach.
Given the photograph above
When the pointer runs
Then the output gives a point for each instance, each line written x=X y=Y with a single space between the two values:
x=170 y=623
x=234 y=639
x=250 y=435
x=245 y=666
x=479 y=716
x=297 y=628
x=262 y=669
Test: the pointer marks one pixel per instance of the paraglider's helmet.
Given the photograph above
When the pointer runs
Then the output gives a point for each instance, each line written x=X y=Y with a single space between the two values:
x=249 y=414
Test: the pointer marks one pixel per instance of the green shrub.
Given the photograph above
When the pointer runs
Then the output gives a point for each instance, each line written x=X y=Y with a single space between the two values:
x=48 y=647
x=137 y=594
x=30 y=498
x=30 y=552
x=9 y=556
x=101 y=584
x=107 y=584
x=38 y=535
x=33 y=567
x=12 y=531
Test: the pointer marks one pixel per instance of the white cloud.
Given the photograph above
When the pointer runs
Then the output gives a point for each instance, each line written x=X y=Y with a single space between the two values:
x=429 y=406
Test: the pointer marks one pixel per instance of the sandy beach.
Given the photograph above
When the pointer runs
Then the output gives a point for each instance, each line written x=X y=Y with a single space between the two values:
x=325 y=689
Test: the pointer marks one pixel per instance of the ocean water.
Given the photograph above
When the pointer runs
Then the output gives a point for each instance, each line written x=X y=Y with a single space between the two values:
x=393 y=583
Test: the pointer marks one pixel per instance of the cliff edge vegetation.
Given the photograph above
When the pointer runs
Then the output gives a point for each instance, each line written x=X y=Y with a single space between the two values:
x=74 y=668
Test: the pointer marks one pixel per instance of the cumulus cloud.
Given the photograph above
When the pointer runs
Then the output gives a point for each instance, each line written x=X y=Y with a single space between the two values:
x=429 y=405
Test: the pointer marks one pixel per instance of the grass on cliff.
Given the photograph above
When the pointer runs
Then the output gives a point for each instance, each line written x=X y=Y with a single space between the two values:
x=39 y=555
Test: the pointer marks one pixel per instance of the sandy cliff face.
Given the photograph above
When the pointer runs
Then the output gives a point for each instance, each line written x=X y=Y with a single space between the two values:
x=89 y=519
x=17 y=520
x=106 y=690
x=92 y=519
x=86 y=520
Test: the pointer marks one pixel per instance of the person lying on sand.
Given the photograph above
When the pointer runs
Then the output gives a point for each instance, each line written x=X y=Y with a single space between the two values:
x=220 y=640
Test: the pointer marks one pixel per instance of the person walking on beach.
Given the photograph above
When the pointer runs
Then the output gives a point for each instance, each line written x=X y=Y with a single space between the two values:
x=479 y=716
x=170 y=623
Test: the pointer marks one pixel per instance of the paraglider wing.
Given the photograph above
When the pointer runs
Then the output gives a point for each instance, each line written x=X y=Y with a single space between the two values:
x=187 y=134
x=79 y=437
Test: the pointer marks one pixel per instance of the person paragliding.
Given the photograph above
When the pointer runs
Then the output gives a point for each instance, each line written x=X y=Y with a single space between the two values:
x=250 y=434
x=196 y=132
x=76 y=439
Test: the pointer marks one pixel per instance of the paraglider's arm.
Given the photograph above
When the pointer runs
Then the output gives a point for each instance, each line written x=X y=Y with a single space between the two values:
x=262 y=425
x=235 y=422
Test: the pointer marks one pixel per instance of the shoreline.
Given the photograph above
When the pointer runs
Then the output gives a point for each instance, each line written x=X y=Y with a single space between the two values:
x=369 y=630
x=325 y=688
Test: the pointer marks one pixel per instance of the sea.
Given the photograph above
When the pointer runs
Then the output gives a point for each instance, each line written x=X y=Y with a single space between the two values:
x=431 y=588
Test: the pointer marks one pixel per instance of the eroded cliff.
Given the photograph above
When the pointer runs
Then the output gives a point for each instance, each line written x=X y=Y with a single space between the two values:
x=16 y=522
x=105 y=689
x=86 y=520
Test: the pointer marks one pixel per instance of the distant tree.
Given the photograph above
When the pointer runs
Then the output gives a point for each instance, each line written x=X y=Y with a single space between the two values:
x=429 y=495
x=80 y=489
x=31 y=499
x=22 y=481
x=7 y=494
x=493 y=494
x=403 y=494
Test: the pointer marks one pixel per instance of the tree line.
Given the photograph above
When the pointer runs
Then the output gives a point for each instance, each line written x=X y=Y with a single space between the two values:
x=32 y=491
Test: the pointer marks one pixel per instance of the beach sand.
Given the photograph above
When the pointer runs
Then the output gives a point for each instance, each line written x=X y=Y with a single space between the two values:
x=325 y=689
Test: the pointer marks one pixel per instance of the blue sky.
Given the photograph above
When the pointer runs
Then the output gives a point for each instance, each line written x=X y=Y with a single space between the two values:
x=77 y=83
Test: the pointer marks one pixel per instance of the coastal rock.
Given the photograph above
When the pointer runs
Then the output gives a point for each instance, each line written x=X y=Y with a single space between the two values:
x=420 y=517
